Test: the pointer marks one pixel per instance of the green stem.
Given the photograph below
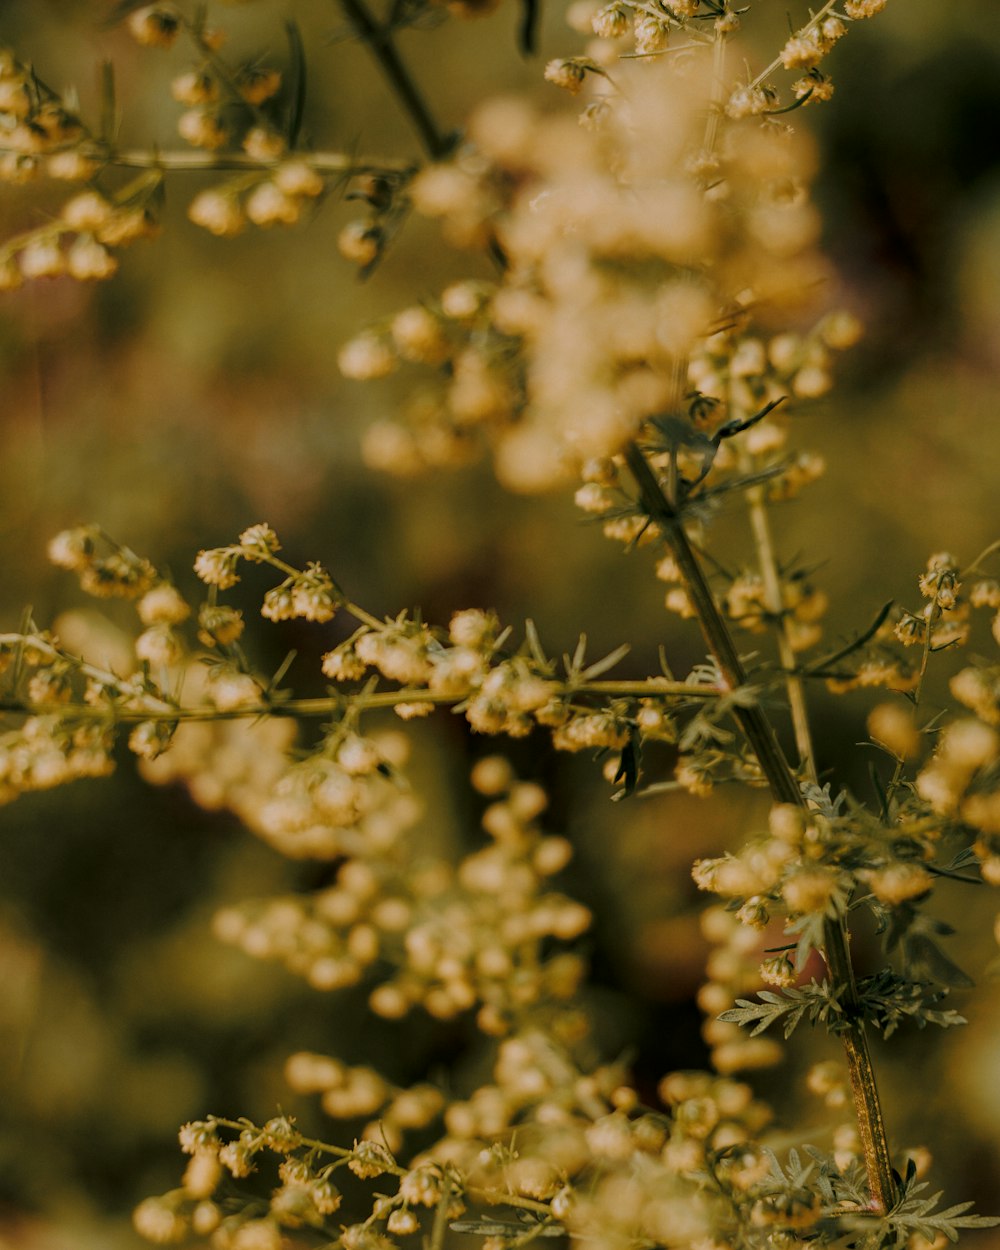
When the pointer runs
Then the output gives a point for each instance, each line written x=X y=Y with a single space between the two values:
x=784 y=789
x=166 y=712
x=761 y=527
x=439 y=1230
x=503 y=1197
x=983 y=555
x=196 y=162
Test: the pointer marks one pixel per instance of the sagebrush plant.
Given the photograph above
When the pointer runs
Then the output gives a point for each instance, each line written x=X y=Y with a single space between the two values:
x=659 y=306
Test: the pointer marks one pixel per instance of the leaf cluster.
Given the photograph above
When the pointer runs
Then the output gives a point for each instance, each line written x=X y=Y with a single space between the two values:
x=885 y=1001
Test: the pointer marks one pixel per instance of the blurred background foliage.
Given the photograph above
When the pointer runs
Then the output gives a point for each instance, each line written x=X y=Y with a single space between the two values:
x=197 y=393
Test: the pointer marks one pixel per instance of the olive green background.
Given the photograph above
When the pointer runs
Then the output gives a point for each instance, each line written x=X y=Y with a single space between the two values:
x=197 y=393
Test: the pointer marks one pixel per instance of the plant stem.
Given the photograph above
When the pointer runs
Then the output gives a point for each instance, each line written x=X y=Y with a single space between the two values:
x=864 y=1090
x=761 y=527
x=718 y=86
x=758 y=729
x=162 y=710
x=378 y=36
x=785 y=789
x=194 y=161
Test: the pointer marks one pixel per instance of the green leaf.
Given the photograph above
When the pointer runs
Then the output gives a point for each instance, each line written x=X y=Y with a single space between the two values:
x=527 y=34
x=810 y=931
x=628 y=767
x=574 y=665
x=791 y=1006
x=595 y=670
x=888 y=999
x=535 y=644
x=297 y=79
x=913 y=1214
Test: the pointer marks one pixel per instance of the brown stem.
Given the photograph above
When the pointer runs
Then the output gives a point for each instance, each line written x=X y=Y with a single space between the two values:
x=785 y=789
x=378 y=36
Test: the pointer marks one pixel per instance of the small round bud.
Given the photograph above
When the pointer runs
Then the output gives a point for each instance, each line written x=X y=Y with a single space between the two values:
x=891 y=724
x=217 y=212
x=154 y=26
x=778 y=970
x=359 y=242
x=567 y=73
x=201 y=129
x=611 y=22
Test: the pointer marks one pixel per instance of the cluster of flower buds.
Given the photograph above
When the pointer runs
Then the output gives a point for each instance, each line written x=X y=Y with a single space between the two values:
x=944 y=620
x=79 y=241
x=44 y=752
x=344 y=792
x=589 y=1156
x=597 y=313
x=734 y=969
x=120 y=573
x=979 y=690
x=737 y=373
x=625 y=29
x=305 y=1195
x=456 y=939
x=308 y=594
x=875 y=667
x=40 y=133
x=348 y=1093
x=628 y=28
x=499 y=693
x=201 y=91
x=456 y=336
x=278 y=198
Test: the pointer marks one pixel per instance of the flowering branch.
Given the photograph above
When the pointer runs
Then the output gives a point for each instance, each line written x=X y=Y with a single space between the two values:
x=784 y=788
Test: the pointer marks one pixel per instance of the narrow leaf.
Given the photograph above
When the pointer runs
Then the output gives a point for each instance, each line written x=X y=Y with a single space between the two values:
x=602 y=666
x=534 y=643
x=108 y=115
x=825 y=661
x=573 y=666
x=628 y=768
x=527 y=34
x=297 y=79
